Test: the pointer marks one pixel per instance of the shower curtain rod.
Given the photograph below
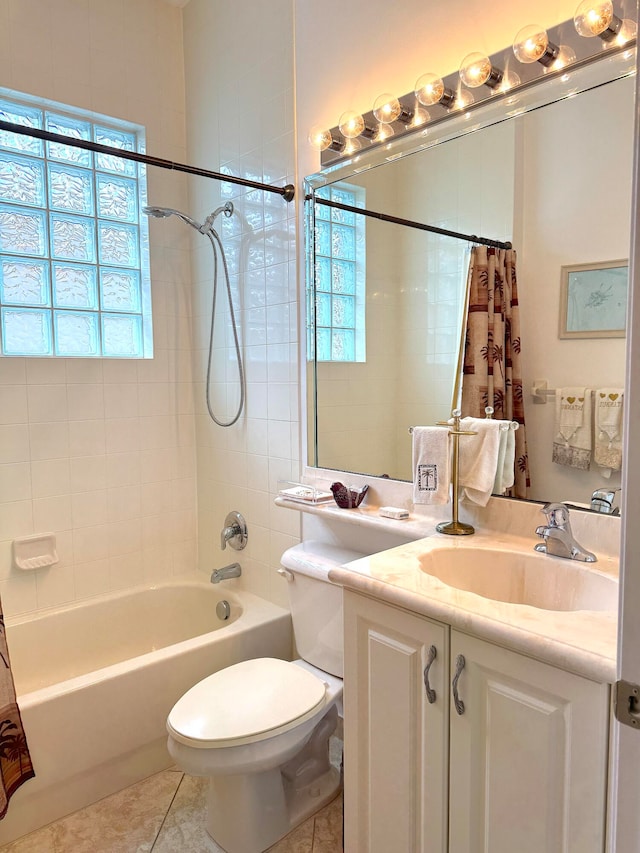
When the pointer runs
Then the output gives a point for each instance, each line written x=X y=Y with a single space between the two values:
x=397 y=220
x=287 y=192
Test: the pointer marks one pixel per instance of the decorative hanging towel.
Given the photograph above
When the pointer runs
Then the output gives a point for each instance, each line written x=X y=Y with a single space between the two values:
x=572 y=439
x=431 y=465
x=15 y=762
x=607 y=451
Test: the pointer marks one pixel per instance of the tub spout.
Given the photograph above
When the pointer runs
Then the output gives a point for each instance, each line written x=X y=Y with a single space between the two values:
x=231 y=571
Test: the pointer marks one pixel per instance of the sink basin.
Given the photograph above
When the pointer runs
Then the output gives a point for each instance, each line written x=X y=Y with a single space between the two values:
x=519 y=577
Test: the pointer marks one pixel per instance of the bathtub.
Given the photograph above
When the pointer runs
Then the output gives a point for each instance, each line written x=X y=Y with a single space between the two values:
x=95 y=682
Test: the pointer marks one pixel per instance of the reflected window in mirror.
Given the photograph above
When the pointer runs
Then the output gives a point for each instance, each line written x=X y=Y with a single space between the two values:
x=339 y=279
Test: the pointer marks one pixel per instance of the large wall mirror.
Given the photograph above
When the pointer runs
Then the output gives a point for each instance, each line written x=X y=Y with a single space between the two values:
x=549 y=171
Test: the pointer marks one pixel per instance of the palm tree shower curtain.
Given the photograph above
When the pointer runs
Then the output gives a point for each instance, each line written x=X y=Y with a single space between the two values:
x=492 y=374
x=15 y=761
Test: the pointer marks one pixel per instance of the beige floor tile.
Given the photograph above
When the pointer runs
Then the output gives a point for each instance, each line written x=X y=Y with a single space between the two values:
x=184 y=827
x=40 y=841
x=298 y=841
x=327 y=833
x=120 y=823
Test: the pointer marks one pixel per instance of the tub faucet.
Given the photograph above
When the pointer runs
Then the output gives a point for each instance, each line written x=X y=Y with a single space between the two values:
x=234 y=532
x=231 y=571
x=557 y=536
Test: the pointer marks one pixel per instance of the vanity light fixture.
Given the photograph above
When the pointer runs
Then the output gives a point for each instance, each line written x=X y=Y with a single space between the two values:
x=598 y=19
x=430 y=90
x=539 y=51
x=321 y=139
x=476 y=70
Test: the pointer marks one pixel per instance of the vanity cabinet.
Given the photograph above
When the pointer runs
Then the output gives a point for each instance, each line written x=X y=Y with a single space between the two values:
x=515 y=761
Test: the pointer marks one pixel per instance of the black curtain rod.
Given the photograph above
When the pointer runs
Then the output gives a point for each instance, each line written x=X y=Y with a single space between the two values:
x=287 y=192
x=397 y=220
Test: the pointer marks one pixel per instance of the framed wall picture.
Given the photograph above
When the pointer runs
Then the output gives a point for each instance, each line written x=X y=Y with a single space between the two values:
x=593 y=300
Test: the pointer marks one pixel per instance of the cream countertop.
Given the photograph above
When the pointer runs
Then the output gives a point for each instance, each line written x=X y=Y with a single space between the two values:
x=580 y=641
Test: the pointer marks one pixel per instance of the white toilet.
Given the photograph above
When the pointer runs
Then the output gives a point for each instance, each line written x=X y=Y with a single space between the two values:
x=260 y=729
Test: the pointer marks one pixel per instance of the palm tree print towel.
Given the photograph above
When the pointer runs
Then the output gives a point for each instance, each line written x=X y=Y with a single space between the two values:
x=15 y=761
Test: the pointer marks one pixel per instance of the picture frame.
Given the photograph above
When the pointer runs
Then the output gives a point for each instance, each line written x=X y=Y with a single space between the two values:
x=593 y=300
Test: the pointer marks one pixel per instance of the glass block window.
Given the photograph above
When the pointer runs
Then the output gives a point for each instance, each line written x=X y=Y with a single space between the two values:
x=74 y=266
x=337 y=300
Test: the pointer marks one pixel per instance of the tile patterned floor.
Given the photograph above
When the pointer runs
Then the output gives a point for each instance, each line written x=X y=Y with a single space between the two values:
x=164 y=814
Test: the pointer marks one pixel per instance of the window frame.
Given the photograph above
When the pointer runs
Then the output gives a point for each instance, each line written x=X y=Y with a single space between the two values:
x=356 y=196
x=49 y=115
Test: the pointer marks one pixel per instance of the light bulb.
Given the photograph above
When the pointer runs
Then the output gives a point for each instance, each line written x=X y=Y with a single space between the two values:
x=593 y=18
x=320 y=138
x=430 y=89
x=532 y=44
x=476 y=69
x=351 y=124
x=386 y=108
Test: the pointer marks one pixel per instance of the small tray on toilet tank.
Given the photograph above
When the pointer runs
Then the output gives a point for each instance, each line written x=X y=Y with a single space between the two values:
x=302 y=493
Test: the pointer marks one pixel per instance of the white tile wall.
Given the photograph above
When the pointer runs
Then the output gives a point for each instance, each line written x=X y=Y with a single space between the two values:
x=250 y=133
x=103 y=452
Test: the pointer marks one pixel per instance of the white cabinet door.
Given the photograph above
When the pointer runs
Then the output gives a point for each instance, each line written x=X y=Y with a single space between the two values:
x=395 y=738
x=528 y=755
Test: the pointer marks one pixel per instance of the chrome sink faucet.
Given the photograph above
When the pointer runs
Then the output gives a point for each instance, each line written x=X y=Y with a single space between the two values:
x=557 y=535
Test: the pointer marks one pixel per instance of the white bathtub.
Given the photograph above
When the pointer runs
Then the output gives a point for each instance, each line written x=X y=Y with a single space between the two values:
x=95 y=682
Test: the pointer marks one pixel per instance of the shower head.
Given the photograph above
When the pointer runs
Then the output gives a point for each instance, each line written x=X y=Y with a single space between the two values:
x=164 y=212
x=158 y=212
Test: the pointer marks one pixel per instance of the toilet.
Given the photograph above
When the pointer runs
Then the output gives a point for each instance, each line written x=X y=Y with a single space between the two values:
x=260 y=729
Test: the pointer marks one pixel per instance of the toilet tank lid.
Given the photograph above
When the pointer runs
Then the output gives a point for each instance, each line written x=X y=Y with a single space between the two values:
x=316 y=559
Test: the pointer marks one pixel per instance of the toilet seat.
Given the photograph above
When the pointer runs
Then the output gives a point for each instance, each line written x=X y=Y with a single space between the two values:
x=245 y=703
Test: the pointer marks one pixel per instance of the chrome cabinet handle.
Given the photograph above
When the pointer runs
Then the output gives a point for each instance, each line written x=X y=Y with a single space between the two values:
x=431 y=693
x=457 y=701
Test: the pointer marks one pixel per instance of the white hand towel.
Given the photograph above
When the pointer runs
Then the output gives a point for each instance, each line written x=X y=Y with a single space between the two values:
x=509 y=469
x=478 y=458
x=505 y=472
x=607 y=451
x=431 y=465
x=572 y=432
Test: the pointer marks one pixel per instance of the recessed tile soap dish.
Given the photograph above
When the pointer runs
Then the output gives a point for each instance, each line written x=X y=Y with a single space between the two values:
x=35 y=552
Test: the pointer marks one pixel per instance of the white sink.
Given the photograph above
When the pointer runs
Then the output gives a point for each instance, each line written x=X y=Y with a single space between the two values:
x=520 y=577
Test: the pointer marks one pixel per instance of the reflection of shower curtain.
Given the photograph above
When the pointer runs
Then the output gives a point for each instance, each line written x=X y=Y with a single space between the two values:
x=492 y=375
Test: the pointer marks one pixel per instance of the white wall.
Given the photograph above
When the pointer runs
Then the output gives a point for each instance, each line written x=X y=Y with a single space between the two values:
x=101 y=452
x=240 y=116
x=567 y=143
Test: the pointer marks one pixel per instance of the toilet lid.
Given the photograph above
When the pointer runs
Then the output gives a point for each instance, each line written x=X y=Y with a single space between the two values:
x=246 y=702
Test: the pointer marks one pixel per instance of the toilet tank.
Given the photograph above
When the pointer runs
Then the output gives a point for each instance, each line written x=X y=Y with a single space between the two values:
x=316 y=603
